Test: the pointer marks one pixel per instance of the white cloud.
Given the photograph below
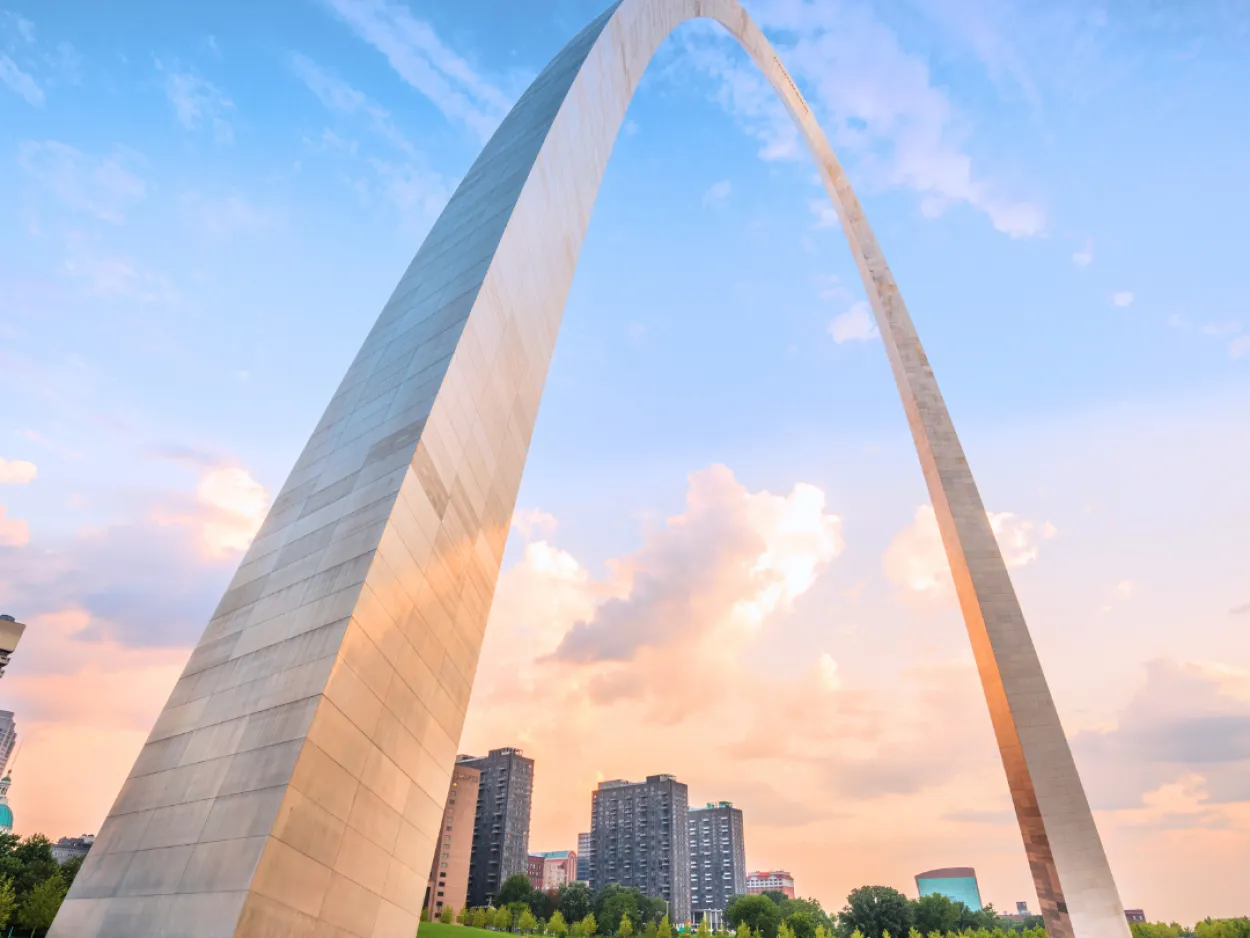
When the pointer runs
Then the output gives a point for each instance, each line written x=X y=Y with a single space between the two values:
x=14 y=532
x=879 y=104
x=338 y=95
x=532 y=522
x=1239 y=347
x=20 y=82
x=198 y=102
x=1122 y=298
x=718 y=192
x=827 y=668
x=916 y=559
x=230 y=507
x=417 y=54
x=23 y=27
x=826 y=214
x=17 y=471
x=223 y=217
x=1085 y=256
x=116 y=276
x=855 y=325
x=101 y=186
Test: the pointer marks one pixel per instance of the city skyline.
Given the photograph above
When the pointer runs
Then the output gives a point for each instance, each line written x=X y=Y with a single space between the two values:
x=1096 y=521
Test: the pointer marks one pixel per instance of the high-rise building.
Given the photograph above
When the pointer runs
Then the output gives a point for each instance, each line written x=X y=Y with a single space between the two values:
x=770 y=881
x=501 y=834
x=956 y=882
x=640 y=837
x=584 y=847
x=10 y=633
x=8 y=738
x=717 y=860
x=449 y=873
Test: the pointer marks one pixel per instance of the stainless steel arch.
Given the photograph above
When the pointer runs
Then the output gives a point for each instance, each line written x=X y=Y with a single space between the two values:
x=294 y=782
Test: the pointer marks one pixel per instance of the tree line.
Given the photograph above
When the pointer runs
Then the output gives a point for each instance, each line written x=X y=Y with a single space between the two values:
x=32 y=884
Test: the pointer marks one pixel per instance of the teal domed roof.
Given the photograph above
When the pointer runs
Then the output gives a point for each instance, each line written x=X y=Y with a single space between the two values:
x=6 y=817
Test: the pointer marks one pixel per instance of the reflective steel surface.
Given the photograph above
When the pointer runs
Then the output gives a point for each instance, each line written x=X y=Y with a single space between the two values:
x=294 y=783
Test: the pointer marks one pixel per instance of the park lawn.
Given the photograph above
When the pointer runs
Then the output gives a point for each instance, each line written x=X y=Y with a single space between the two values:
x=439 y=930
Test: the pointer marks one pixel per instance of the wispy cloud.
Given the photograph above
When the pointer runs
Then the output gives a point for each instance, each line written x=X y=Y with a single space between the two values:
x=718 y=192
x=416 y=53
x=1122 y=298
x=879 y=104
x=110 y=275
x=198 y=103
x=222 y=217
x=338 y=95
x=105 y=187
x=1085 y=256
x=20 y=82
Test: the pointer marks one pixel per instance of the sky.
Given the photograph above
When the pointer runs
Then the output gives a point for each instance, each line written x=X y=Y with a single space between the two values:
x=723 y=563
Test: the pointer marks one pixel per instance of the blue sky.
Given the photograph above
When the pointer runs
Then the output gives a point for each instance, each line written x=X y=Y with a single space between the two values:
x=203 y=208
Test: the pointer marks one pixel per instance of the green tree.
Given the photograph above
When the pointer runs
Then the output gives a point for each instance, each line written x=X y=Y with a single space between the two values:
x=759 y=912
x=651 y=931
x=69 y=870
x=543 y=904
x=664 y=929
x=447 y=915
x=425 y=913
x=822 y=932
x=575 y=901
x=626 y=928
x=464 y=916
x=503 y=918
x=784 y=931
x=478 y=918
x=8 y=901
x=914 y=933
x=872 y=910
x=39 y=907
x=779 y=898
x=527 y=923
x=703 y=931
x=937 y=913
x=589 y=925
x=744 y=930
x=492 y=917
x=516 y=888
x=618 y=904
x=557 y=926
x=801 y=922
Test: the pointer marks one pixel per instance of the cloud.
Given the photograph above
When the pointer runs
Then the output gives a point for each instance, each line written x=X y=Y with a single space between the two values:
x=826 y=214
x=1085 y=256
x=532 y=522
x=18 y=24
x=105 y=187
x=916 y=560
x=338 y=95
x=879 y=102
x=1239 y=347
x=230 y=508
x=222 y=217
x=1186 y=718
x=20 y=82
x=83 y=696
x=420 y=58
x=731 y=560
x=115 y=276
x=855 y=325
x=1122 y=298
x=198 y=103
x=717 y=193
x=14 y=532
x=17 y=471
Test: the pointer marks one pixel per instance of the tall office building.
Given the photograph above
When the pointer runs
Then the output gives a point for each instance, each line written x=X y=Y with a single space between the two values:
x=718 y=863
x=449 y=873
x=501 y=834
x=956 y=882
x=640 y=837
x=8 y=738
x=584 y=847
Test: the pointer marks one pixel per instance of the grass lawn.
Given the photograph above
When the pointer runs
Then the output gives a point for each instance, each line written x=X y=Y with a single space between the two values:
x=439 y=930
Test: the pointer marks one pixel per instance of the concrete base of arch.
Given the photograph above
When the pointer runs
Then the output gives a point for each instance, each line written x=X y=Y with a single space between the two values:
x=294 y=782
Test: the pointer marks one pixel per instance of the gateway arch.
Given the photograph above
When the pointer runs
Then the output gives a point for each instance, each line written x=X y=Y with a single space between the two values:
x=294 y=783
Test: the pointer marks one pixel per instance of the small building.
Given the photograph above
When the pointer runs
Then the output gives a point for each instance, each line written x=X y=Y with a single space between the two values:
x=1135 y=915
x=69 y=847
x=958 y=883
x=770 y=881
x=559 y=868
x=534 y=869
